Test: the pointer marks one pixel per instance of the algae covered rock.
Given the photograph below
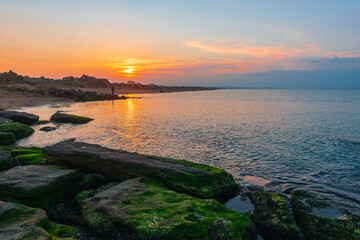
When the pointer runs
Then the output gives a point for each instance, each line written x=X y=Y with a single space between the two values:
x=7 y=138
x=27 y=156
x=196 y=179
x=145 y=209
x=20 y=130
x=21 y=117
x=272 y=217
x=37 y=186
x=22 y=222
x=61 y=117
x=316 y=227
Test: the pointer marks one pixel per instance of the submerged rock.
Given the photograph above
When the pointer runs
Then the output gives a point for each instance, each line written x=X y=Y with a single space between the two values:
x=22 y=222
x=47 y=129
x=145 y=209
x=37 y=186
x=183 y=176
x=316 y=227
x=61 y=117
x=272 y=217
x=20 y=130
x=7 y=138
x=21 y=117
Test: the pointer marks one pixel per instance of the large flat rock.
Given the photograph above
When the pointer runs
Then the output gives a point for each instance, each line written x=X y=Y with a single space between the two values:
x=22 y=222
x=183 y=176
x=145 y=209
x=37 y=186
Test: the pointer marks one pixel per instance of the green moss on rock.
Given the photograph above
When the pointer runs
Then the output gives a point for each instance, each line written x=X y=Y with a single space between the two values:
x=7 y=138
x=35 y=158
x=272 y=217
x=37 y=186
x=24 y=150
x=61 y=117
x=20 y=130
x=149 y=209
x=315 y=227
x=22 y=222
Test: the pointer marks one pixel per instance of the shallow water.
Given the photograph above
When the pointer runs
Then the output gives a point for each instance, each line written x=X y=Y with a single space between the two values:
x=280 y=139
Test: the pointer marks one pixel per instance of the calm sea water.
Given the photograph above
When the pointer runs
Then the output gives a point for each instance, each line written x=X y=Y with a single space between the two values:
x=279 y=139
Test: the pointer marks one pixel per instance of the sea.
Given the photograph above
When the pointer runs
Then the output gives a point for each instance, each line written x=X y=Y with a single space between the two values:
x=279 y=140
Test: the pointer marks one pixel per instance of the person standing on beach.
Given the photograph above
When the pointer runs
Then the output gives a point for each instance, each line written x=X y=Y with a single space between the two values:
x=112 y=89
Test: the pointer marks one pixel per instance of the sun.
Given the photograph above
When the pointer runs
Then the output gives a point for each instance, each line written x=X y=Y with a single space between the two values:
x=130 y=70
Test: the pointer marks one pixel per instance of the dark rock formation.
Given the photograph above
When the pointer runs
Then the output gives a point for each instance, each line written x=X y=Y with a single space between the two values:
x=21 y=117
x=146 y=209
x=272 y=217
x=183 y=176
x=5 y=120
x=22 y=222
x=20 y=130
x=37 y=186
x=61 y=117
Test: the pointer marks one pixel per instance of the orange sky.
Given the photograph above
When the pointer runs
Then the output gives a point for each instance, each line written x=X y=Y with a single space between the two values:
x=122 y=41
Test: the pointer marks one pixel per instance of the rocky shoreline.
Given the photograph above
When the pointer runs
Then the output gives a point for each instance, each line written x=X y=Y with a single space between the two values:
x=75 y=190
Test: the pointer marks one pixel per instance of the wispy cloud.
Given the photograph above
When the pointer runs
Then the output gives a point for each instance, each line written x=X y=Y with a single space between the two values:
x=244 y=49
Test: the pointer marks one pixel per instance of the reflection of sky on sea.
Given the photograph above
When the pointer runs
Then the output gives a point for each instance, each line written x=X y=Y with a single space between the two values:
x=281 y=139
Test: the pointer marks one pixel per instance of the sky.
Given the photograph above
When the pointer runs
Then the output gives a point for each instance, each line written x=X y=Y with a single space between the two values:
x=202 y=43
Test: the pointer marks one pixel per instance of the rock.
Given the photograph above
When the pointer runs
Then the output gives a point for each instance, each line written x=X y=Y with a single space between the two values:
x=91 y=181
x=37 y=186
x=22 y=222
x=5 y=120
x=7 y=138
x=183 y=176
x=47 y=129
x=145 y=209
x=315 y=227
x=21 y=117
x=20 y=130
x=61 y=117
x=272 y=217
x=41 y=122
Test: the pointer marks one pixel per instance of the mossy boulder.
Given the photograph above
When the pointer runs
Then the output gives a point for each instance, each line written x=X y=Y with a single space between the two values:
x=20 y=130
x=322 y=228
x=61 y=117
x=183 y=176
x=272 y=216
x=38 y=186
x=21 y=117
x=7 y=138
x=22 y=222
x=145 y=209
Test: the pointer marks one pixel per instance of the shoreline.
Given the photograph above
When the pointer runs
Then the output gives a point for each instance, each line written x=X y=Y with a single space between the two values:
x=14 y=100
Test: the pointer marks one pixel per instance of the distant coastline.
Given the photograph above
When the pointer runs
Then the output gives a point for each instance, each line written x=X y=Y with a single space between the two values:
x=18 y=91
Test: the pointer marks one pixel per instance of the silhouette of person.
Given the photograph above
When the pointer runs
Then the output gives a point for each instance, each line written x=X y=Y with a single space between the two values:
x=112 y=89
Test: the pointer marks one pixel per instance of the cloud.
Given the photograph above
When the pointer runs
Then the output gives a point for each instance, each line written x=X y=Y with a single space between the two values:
x=276 y=52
